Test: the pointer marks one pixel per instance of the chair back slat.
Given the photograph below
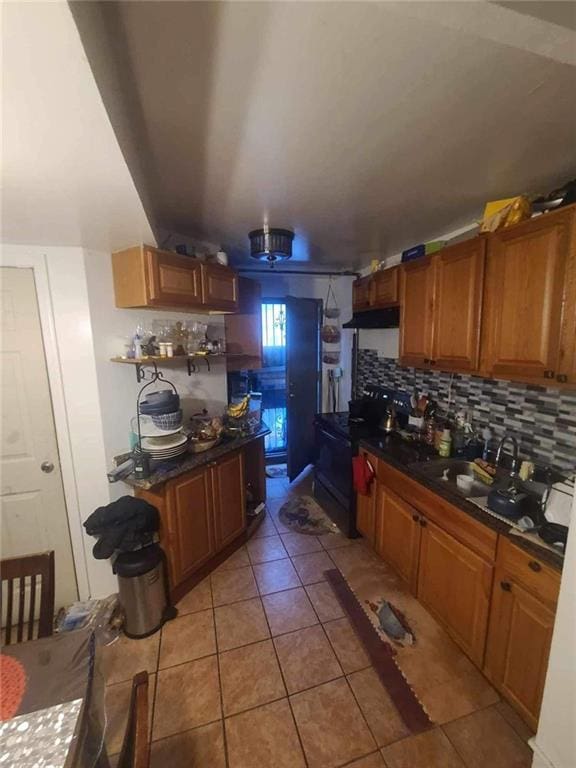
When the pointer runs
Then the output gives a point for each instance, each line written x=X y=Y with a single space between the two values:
x=135 y=752
x=32 y=606
x=14 y=572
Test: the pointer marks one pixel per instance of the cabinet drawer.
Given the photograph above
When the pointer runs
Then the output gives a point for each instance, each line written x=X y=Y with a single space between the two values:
x=531 y=573
x=466 y=529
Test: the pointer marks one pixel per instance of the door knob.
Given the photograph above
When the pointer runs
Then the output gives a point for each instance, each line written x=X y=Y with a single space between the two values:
x=47 y=467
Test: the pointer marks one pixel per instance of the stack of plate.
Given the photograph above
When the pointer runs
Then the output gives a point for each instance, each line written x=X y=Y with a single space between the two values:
x=163 y=448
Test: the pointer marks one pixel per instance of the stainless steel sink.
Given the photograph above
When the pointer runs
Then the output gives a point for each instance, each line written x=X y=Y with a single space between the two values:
x=444 y=472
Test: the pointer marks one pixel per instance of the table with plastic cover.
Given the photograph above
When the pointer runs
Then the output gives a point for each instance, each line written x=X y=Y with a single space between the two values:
x=52 y=703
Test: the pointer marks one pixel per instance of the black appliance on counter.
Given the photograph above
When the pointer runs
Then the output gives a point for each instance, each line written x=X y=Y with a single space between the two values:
x=337 y=437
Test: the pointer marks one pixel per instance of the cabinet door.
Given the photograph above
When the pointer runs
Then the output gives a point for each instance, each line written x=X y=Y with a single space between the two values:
x=518 y=645
x=416 y=307
x=385 y=289
x=366 y=506
x=219 y=287
x=361 y=294
x=459 y=277
x=244 y=328
x=524 y=295
x=398 y=534
x=173 y=280
x=454 y=584
x=229 y=499
x=190 y=507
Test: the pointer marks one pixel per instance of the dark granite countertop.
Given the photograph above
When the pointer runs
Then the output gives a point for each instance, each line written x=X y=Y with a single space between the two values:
x=405 y=458
x=190 y=460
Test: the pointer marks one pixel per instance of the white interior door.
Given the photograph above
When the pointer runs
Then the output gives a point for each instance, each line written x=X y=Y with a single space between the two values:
x=32 y=507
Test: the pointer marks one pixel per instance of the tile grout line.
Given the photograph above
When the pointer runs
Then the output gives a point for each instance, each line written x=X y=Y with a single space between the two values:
x=224 y=739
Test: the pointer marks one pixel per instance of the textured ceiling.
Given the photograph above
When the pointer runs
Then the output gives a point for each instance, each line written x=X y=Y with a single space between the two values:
x=366 y=127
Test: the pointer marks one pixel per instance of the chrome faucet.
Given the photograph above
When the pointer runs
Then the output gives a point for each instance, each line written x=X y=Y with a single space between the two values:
x=514 y=470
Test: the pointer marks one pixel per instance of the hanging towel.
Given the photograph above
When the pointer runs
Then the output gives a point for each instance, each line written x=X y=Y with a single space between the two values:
x=363 y=474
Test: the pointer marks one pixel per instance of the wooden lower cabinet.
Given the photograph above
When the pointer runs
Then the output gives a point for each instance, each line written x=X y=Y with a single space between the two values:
x=454 y=583
x=366 y=506
x=229 y=498
x=191 y=523
x=397 y=534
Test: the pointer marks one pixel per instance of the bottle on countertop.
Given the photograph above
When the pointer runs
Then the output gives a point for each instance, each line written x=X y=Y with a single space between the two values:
x=445 y=447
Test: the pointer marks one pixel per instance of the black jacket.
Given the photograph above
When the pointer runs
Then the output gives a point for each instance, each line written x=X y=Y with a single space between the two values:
x=123 y=525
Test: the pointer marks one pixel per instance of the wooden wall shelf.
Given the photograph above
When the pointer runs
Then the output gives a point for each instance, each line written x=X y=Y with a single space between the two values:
x=155 y=362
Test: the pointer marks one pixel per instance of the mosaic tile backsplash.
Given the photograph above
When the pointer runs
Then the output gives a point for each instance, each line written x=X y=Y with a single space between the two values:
x=542 y=420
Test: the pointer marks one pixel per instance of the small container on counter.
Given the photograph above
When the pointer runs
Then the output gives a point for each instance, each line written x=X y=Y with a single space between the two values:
x=445 y=447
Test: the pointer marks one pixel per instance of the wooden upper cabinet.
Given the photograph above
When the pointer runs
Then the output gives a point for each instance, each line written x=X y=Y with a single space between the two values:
x=219 y=287
x=149 y=277
x=524 y=297
x=229 y=498
x=173 y=279
x=416 y=311
x=361 y=294
x=385 y=290
x=459 y=278
x=454 y=583
x=398 y=534
x=244 y=328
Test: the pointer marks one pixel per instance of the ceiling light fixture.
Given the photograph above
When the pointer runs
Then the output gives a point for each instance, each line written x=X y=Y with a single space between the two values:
x=271 y=244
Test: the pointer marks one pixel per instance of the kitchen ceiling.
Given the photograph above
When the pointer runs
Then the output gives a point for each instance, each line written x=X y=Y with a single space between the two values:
x=365 y=127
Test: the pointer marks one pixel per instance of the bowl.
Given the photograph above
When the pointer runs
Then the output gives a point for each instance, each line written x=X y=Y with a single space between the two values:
x=464 y=482
x=197 y=446
x=167 y=421
x=168 y=406
x=161 y=396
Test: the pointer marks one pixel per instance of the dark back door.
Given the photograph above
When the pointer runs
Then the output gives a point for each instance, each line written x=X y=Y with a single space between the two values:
x=303 y=380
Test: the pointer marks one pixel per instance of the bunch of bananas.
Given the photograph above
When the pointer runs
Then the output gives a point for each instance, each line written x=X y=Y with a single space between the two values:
x=238 y=410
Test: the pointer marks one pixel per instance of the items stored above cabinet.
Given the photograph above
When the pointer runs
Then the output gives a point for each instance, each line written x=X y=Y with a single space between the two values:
x=146 y=277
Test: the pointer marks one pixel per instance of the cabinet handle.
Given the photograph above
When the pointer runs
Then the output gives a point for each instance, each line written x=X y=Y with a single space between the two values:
x=423 y=522
x=506 y=586
x=426 y=360
x=562 y=378
x=549 y=374
x=535 y=566
x=416 y=518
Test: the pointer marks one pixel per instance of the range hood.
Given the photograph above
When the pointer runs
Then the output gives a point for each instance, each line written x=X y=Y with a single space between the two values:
x=375 y=318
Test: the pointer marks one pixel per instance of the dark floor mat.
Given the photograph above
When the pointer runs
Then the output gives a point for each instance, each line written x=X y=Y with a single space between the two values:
x=304 y=515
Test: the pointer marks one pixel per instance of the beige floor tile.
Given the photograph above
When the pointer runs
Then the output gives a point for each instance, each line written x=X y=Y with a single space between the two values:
x=240 y=624
x=377 y=707
x=233 y=586
x=335 y=540
x=187 y=696
x=198 y=599
x=275 y=576
x=199 y=748
x=124 y=658
x=238 y=559
x=116 y=704
x=264 y=550
x=354 y=559
x=276 y=488
x=425 y=750
x=348 y=648
x=331 y=725
x=288 y=611
x=372 y=761
x=486 y=739
x=306 y=658
x=300 y=543
x=266 y=528
x=513 y=718
x=264 y=738
x=324 y=601
x=458 y=696
x=250 y=676
x=187 y=638
x=311 y=567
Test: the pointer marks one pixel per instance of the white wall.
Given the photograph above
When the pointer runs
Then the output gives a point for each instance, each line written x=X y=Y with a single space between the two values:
x=117 y=383
x=555 y=742
x=277 y=286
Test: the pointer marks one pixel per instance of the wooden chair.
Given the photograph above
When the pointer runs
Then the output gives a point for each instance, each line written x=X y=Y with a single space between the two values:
x=14 y=571
x=135 y=752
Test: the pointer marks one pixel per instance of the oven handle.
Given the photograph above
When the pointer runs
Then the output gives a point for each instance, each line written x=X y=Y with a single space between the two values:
x=342 y=442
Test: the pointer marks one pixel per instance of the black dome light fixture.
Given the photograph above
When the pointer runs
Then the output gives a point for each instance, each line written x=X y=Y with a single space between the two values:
x=271 y=244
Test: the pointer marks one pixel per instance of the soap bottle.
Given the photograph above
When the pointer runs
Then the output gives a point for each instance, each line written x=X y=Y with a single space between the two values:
x=445 y=444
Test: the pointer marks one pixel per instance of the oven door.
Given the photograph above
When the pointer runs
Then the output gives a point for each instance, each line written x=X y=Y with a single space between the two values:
x=333 y=467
